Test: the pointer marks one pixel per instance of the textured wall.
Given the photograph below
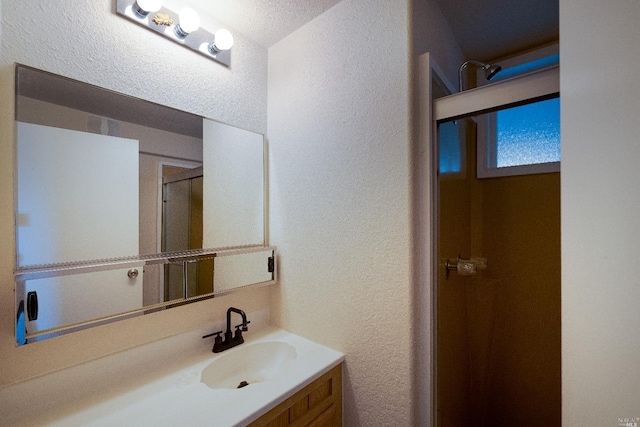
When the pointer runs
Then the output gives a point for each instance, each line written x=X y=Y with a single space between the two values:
x=600 y=206
x=432 y=33
x=89 y=42
x=339 y=138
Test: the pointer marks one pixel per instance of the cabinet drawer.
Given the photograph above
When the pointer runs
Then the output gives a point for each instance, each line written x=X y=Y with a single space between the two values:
x=319 y=405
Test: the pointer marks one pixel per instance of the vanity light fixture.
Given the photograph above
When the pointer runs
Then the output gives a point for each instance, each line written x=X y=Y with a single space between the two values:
x=183 y=27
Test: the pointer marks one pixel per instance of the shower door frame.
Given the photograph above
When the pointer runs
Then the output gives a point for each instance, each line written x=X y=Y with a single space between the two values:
x=180 y=163
x=511 y=92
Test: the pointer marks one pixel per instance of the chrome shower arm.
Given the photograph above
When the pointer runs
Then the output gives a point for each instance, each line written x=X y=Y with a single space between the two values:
x=489 y=70
x=461 y=69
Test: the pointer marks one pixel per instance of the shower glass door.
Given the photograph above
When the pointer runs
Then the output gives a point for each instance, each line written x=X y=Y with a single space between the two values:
x=498 y=324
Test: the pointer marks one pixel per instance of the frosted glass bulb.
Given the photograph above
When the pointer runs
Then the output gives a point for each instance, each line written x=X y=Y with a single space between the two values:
x=143 y=7
x=189 y=20
x=149 y=5
x=223 y=40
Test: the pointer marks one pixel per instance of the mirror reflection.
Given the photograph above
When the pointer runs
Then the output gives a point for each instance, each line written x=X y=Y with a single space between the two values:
x=54 y=301
x=104 y=179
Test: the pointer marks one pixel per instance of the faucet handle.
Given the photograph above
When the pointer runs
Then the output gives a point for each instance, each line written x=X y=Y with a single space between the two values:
x=237 y=337
x=244 y=326
x=217 y=343
x=217 y=334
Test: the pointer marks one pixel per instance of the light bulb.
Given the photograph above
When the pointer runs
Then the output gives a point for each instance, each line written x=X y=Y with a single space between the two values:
x=223 y=40
x=144 y=7
x=189 y=22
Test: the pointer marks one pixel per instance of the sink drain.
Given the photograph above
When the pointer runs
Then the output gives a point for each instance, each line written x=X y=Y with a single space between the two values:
x=242 y=384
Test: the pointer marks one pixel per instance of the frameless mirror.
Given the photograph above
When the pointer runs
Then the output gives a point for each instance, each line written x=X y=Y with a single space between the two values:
x=123 y=205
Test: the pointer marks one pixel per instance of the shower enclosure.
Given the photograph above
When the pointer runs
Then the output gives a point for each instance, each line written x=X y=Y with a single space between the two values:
x=496 y=257
x=182 y=229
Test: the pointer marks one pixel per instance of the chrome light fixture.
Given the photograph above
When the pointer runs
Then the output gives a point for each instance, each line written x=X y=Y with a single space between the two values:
x=182 y=28
x=490 y=70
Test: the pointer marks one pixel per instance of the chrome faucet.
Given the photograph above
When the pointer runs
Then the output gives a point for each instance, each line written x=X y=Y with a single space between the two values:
x=230 y=339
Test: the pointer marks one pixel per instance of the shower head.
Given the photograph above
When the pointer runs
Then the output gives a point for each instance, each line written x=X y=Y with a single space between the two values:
x=490 y=70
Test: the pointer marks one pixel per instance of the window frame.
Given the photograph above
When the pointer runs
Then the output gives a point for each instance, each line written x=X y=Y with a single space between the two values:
x=486 y=153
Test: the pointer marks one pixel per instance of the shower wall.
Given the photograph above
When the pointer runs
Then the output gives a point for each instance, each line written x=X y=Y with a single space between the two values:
x=499 y=331
x=521 y=238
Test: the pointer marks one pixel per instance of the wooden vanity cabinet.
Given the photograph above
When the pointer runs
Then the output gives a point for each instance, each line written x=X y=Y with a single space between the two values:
x=317 y=405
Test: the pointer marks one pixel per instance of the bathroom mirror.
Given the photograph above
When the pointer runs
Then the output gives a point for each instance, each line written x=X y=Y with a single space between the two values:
x=108 y=184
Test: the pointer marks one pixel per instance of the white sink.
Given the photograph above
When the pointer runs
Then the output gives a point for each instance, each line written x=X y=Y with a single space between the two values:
x=200 y=388
x=248 y=364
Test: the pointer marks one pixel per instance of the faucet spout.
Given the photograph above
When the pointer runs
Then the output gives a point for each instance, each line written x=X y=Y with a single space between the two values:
x=244 y=319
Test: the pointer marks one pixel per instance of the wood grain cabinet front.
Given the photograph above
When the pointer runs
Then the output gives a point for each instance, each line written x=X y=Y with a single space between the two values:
x=317 y=405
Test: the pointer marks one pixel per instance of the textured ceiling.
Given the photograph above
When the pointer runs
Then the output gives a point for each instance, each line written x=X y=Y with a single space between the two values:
x=484 y=29
x=488 y=30
x=264 y=21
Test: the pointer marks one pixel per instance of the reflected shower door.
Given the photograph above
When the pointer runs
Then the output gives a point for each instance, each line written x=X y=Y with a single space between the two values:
x=182 y=230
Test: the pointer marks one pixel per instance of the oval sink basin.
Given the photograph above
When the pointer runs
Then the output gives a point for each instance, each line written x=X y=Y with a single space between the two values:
x=248 y=364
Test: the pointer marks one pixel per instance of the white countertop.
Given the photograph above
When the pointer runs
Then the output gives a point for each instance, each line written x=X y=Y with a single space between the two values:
x=180 y=399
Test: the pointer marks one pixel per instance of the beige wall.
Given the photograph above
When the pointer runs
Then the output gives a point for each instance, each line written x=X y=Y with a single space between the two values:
x=600 y=211
x=339 y=181
x=432 y=33
x=97 y=46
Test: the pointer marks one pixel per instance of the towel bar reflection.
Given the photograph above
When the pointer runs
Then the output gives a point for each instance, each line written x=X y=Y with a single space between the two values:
x=464 y=267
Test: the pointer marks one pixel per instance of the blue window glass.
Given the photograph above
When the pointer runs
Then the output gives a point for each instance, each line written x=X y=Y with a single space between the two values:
x=527 y=67
x=449 y=149
x=528 y=135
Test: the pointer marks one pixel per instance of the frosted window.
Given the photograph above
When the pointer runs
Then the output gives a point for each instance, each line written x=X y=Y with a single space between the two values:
x=519 y=140
x=529 y=134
